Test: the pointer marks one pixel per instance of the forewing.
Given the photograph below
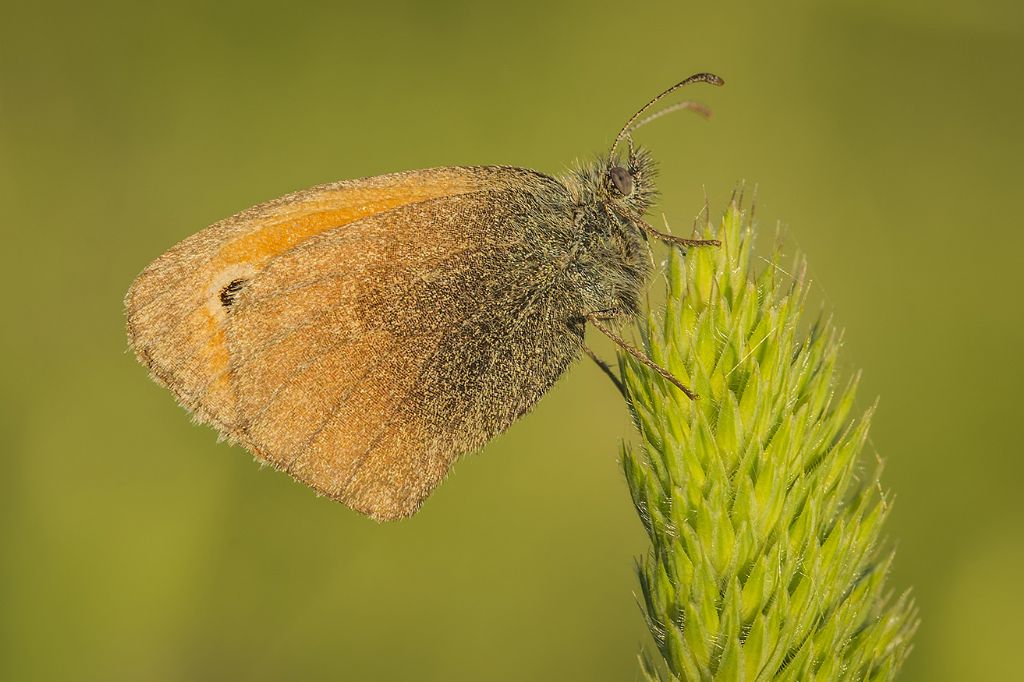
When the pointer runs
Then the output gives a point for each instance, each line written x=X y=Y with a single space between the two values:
x=177 y=312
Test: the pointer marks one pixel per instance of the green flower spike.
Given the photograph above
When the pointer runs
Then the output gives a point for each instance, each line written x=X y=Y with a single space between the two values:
x=765 y=561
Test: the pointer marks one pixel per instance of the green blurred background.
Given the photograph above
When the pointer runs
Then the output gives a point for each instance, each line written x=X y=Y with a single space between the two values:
x=885 y=136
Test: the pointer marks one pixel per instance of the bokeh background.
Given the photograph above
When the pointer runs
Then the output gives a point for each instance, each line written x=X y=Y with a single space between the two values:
x=885 y=137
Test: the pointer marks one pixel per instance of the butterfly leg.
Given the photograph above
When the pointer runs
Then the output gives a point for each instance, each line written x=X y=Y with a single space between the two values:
x=607 y=370
x=681 y=242
x=598 y=320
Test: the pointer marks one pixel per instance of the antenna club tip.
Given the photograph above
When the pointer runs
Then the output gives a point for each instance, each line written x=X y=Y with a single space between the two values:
x=709 y=78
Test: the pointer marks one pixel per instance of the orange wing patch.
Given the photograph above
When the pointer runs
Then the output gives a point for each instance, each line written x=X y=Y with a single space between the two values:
x=176 y=314
x=260 y=246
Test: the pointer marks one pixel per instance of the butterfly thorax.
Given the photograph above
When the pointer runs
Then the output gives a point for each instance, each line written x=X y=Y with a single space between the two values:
x=612 y=259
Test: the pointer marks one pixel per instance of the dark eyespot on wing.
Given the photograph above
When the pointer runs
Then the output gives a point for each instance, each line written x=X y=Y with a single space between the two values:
x=230 y=292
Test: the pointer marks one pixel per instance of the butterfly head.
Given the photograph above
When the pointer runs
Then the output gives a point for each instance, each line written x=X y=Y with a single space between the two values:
x=628 y=184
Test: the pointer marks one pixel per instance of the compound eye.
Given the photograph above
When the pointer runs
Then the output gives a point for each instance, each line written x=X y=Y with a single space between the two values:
x=622 y=180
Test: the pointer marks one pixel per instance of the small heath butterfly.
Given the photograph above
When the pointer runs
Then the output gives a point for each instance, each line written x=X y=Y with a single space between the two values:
x=363 y=335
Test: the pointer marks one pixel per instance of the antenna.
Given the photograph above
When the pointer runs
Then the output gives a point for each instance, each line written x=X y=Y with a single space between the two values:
x=695 y=78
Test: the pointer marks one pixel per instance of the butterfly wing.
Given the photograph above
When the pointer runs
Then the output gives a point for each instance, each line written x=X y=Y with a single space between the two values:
x=176 y=318
x=365 y=357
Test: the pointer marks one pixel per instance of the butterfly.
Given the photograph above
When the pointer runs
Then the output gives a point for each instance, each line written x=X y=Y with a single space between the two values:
x=362 y=335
